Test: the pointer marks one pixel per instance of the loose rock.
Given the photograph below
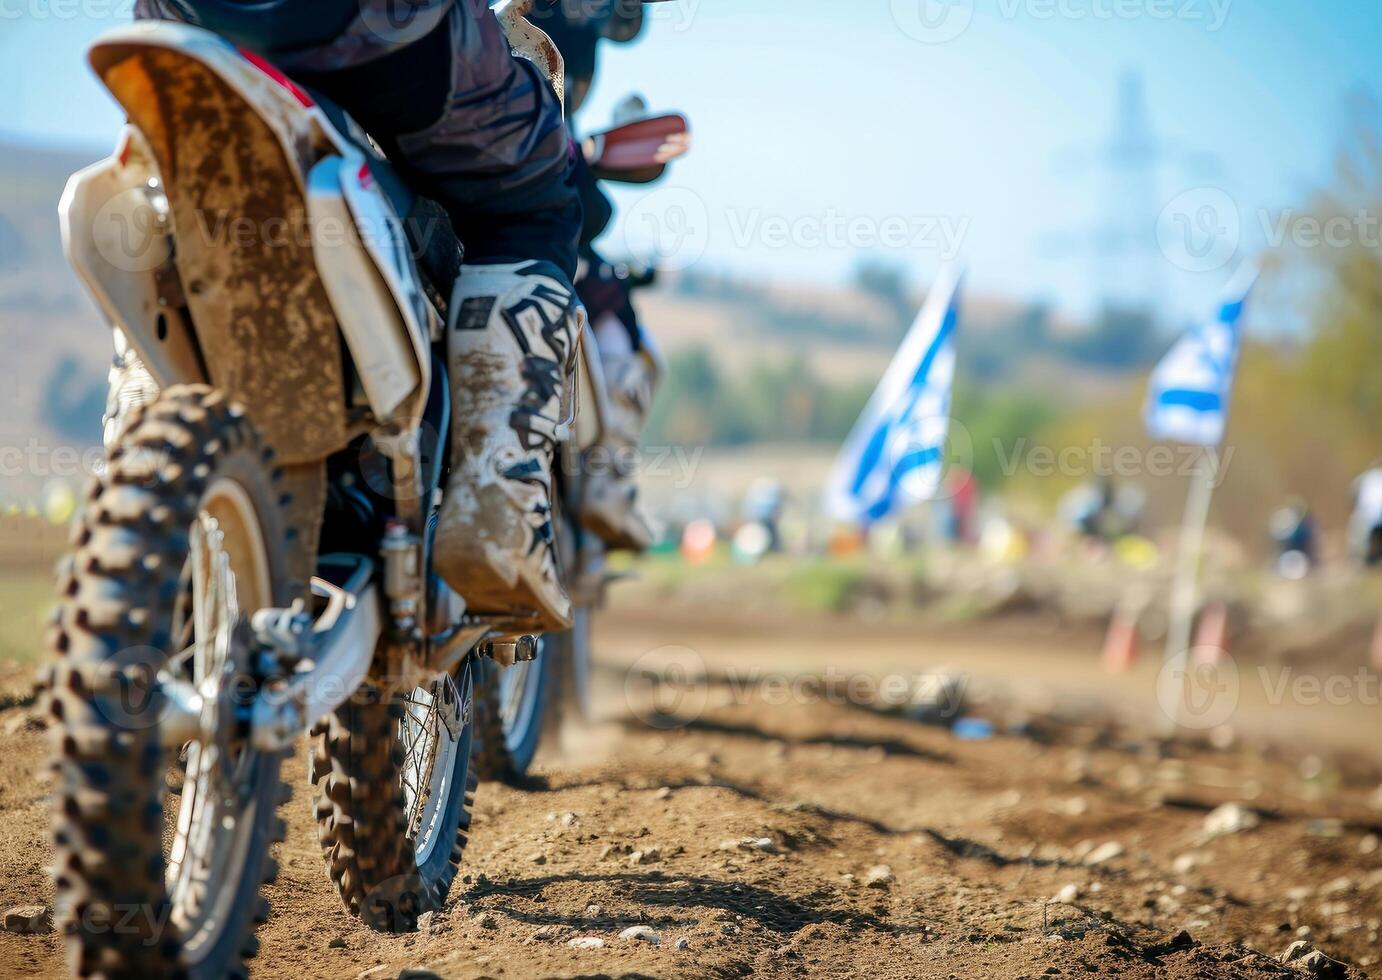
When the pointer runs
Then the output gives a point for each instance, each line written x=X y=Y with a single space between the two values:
x=1231 y=818
x=486 y=920
x=879 y=876
x=24 y=722
x=641 y=934
x=585 y=942
x=1067 y=895
x=1185 y=863
x=1302 y=956
x=28 y=919
x=682 y=943
x=1104 y=853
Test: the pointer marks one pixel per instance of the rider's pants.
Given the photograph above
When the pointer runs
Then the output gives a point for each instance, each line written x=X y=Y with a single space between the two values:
x=464 y=120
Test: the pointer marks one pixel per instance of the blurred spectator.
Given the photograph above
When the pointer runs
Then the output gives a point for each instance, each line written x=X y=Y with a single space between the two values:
x=1100 y=510
x=1292 y=529
x=1365 y=529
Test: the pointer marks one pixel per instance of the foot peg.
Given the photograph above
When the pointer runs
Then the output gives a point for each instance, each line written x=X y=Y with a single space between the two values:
x=509 y=650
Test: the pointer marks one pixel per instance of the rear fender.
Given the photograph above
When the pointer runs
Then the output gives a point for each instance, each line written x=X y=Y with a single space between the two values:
x=233 y=141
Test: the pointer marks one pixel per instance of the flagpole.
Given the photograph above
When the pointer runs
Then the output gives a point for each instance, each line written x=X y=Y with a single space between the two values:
x=1185 y=588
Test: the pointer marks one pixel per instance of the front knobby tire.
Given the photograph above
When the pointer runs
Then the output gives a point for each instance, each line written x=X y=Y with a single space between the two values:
x=394 y=793
x=188 y=479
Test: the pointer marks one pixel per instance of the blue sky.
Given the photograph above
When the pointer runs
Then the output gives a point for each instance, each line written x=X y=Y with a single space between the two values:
x=912 y=130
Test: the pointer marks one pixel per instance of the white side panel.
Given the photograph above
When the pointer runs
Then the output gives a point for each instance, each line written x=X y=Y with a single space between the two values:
x=113 y=239
x=370 y=320
x=384 y=238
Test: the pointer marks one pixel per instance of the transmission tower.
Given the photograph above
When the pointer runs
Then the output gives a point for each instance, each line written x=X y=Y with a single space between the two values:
x=1127 y=261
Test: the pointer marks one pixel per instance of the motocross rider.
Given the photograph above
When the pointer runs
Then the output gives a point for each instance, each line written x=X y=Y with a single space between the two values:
x=480 y=131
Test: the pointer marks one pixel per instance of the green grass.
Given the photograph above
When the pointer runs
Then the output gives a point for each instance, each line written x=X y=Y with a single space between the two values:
x=825 y=585
x=26 y=598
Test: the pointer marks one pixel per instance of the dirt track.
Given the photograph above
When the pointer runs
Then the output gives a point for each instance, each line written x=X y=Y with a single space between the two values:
x=632 y=825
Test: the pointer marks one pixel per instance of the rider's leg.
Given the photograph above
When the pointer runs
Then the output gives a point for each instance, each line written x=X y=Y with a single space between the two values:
x=481 y=131
x=632 y=368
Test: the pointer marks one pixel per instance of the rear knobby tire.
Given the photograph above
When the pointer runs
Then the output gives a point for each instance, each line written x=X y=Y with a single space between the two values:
x=113 y=630
x=558 y=686
x=505 y=750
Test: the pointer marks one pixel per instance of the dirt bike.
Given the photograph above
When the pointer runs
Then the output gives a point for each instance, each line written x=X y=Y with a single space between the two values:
x=254 y=562
x=521 y=707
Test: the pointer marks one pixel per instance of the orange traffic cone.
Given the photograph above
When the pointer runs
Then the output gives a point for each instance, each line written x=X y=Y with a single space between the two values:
x=1211 y=637
x=1120 y=646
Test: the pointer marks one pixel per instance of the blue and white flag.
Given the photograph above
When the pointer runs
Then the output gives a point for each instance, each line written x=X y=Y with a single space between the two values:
x=1191 y=387
x=895 y=454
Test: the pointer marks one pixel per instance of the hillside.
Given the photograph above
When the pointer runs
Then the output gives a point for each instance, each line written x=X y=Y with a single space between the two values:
x=55 y=349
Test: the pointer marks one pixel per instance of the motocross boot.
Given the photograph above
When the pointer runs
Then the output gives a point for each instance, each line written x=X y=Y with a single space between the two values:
x=512 y=358
x=609 y=503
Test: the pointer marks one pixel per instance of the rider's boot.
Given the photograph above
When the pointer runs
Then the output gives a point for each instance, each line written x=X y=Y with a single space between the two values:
x=512 y=353
x=609 y=503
